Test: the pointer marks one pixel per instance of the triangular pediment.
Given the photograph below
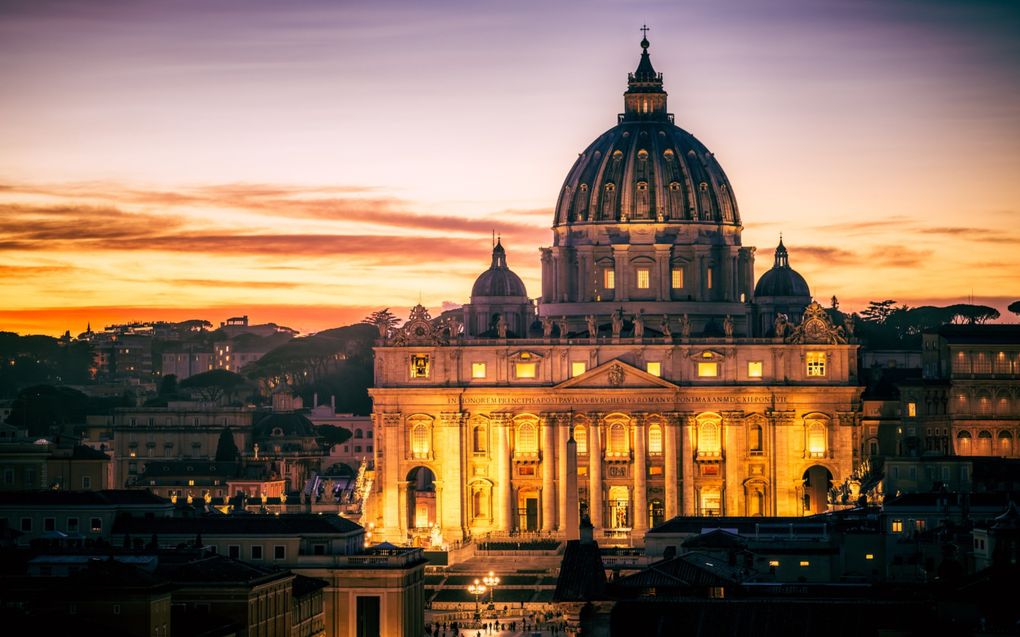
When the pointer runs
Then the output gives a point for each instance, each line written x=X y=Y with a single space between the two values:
x=616 y=374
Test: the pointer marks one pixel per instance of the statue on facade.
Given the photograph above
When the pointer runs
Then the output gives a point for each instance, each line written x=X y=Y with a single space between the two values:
x=617 y=323
x=685 y=326
x=848 y=325
x=727 y=326
x=562 y=322
x=664 y=328
x=593 y=326
x=455 y=326
x=639 y=324
x=781 y=323
x=501 y=326
x=547 y=327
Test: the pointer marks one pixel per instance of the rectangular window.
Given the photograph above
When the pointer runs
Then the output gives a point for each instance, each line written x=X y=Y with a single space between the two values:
x=86 y=482
x=318 y=549
x=654 y=368
x=8 y=476
x=279 y=552
x=912 y=410
x=815 y=363
x=419 y=366
x=708 y=370
x=608 y=278
x=678 y=278
x=869 y=556
x=897 y=526
x=805 y=563
x=525 y=370
x=477 y=370
x=754 y=369
x=643 y=278
x=577 y=368
x=234 y=551
x=96 y=524
x=256 y=552
x=49 y=524
x=655 y=471
x=72 y=525
x=919 y=525
x=708 y=279
x=367 y=616
x=26 y=525
x=774 y=563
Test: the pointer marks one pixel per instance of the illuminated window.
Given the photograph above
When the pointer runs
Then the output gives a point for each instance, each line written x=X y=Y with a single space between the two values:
x=774 y=563
x=643 y=278
x=816 y=439
x=919 y=525
x=869 y=556
x=897 y=526
x=581 y=438
x=754 y=369
x=420 y=443
x=709 y=441
x=654 y=368
x=608 y=278
x=419 y=366
x=527 y=438
x=578 y=367
x=815 y=363
x=678 y=278
x=525 y=370
x=805 y=563
x=655 y=439
x=708 y=280
x=477 y=370
x=617 y=440
x=912 y=409
x=191 y=483
x=708 y=370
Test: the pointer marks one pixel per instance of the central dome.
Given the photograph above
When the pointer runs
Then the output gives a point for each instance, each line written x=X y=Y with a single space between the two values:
x=646 y=168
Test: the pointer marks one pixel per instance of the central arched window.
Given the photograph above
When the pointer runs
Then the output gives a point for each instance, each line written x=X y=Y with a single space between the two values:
x=1005 y=443
x=655 y=439
x=617 y=440
x=581 y=438
x=527 y=438
x=420 y=441
x=985 y=443
x=709 y=436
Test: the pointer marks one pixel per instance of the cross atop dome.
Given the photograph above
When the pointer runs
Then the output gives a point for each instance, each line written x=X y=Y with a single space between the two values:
x=645 y=97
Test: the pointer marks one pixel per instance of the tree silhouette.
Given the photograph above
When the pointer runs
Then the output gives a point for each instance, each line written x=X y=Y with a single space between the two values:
x=226 y=448
x=1014 y=307
x=214 y=384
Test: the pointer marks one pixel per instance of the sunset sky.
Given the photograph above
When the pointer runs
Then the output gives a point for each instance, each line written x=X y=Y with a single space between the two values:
x=309 y=162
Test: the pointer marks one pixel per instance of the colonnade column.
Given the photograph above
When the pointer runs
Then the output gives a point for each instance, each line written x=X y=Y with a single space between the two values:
x=389 y=426
x=548 y=474
x=671 y=456
x=622 y=267
x=504 y=469
x=640 y=520
x=595 y=499
x=689 y=433
x=401 y=509
x=562 y=433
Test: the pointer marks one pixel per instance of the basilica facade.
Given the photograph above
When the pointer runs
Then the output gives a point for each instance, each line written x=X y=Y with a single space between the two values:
x=652 y=378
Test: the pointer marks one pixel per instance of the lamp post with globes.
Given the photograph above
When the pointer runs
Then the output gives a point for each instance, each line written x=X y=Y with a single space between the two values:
x=492 y=582
x=477 y=589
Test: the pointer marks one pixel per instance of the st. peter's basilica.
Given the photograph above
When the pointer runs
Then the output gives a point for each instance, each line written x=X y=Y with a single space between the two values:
x=651 y=378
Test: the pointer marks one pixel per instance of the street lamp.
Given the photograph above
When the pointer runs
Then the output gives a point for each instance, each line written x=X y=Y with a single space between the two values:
x=492 y=582
x=477 y=589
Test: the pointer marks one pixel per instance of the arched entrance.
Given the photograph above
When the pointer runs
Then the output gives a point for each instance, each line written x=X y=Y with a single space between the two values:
x=421 y=499
x=619 y=508
x=656 y=513
x=817 y=482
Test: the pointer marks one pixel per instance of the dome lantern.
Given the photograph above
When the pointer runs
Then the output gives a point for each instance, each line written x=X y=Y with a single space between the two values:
x=645 y=98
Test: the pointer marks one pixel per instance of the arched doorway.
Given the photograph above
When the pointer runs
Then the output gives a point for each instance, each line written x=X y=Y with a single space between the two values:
x=817 y=482
x=421 y=499
x=619 y=508
x=656 y=513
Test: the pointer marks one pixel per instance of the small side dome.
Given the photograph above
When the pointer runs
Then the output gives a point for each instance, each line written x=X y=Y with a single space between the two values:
x=782 y=280
x=499 y=280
